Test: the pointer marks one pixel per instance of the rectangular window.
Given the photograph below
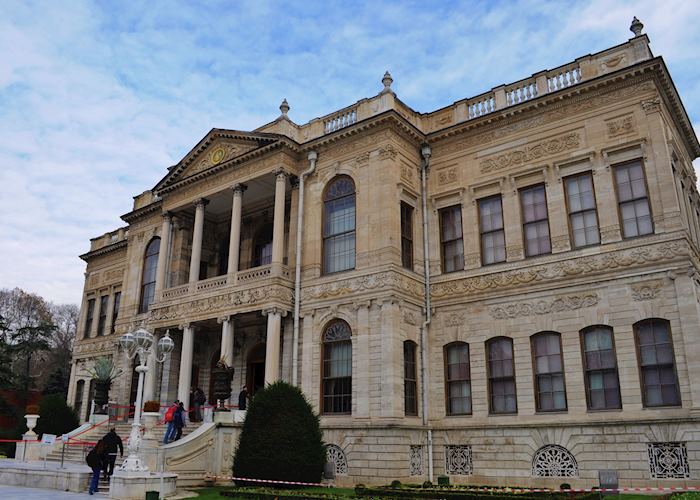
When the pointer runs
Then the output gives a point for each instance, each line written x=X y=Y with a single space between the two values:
x=458 y=379
x=451 y=239
x=406 y=235
x=633 y=201
x=533 y=202
x=501 y=374
x=102 y=318
x=410 y=378
x=657 y=363
x=115 y=310
x=493 y=237
x=89 y=316
x=600 y=369
x=583 y=217
x=549 y=372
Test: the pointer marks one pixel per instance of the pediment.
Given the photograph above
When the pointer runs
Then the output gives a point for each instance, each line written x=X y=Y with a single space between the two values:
x=216 y=149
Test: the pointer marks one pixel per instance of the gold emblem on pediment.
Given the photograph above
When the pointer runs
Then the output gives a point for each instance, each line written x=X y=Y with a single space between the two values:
x=218 y=155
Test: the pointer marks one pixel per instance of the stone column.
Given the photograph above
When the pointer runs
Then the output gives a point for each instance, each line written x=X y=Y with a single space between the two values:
x=185 y=379
x=392 y=361
x=70 y=399
x=227 y=339
x=110 y=313
x=197 y=239
x=161 y=271
x=689 y=315
x=272 y=344
x=361 y=359
x=278 y=223
x=234 y=246
x=149 y=383
x=511 y=224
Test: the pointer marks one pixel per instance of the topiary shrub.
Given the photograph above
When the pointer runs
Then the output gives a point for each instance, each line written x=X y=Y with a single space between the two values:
x=281 y=438
x=56 y=417
x=396 y=483
x=427 y=484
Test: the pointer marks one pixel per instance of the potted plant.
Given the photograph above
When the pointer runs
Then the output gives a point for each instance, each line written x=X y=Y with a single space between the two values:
x=31 y=416
x=151 y=415
x=104 y=372
x=221 y=375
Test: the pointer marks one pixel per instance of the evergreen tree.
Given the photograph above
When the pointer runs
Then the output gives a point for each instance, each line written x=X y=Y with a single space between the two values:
x=57 y=383
x=55 y=416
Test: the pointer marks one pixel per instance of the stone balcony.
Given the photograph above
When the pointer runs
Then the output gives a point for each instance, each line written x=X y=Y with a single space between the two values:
x=248 y=290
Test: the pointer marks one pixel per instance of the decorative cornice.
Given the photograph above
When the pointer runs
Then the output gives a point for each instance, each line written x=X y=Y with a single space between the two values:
x=539 y=307
x=380 y=281
x=105 y=250
x=142 y=212
x=646 y=290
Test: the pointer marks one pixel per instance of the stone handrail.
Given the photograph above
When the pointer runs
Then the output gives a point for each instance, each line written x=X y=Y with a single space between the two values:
x=339 y=120
x=481 y=104
x=254 y=273
x=176 y=291
x=211 y=283
x=563 y=76
x=521 y=91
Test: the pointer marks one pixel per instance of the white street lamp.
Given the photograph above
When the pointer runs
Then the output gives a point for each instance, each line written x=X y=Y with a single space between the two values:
x=140 y=343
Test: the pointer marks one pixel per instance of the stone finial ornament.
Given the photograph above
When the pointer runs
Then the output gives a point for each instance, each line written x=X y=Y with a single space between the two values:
x=284 y=107
x=636 y=26
x=387 y=81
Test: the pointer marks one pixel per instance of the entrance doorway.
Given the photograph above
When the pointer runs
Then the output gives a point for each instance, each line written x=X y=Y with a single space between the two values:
x=255 y=375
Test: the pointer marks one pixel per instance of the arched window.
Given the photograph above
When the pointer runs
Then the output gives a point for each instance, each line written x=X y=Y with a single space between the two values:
x=339 y=225
x=148 y=279
x=600 y=368
x=656 y=363
x=458 y=386
x=337 y=368
x=554 y=461
x=501 y=373
x=336 y=455
x=550 y=391
x=262 y=251
x=410 y=386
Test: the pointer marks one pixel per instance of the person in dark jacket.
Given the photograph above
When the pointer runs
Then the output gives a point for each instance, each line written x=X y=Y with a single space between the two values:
x=112 y=441
x=243 y=398
x=179 y=420
x=95 y=460
x=199 y=400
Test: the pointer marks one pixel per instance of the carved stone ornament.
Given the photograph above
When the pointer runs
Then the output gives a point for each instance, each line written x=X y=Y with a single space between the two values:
x=613 y=62
x=348 y=286
x=532 y=151
x=387 y=152
x=570 y=268
x=218 y=154
x=652 y=105
x=113 y=275
x=407 y=173
x=447 y=175
x=454 y=319
x=647 y=290
x=410 y=318
x=621 y=126
x=523 y=309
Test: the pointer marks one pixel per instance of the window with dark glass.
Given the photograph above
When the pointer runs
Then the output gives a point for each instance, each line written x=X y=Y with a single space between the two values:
x=115 y=310
x=583 y=217
x=406 y=235
x=635 y=213
x=657 y=363
x=600 y=368
x=89 y=316
x=148 y=279
x=102 y=318
x=451 y=239
x=339 y=225
x=410 y=386
x=337 y=368
x=501 y=375
x=533 y=201
x=458 y=379
x=78 y=405
x=493 y=237
x=262 y=254
x=550 y=391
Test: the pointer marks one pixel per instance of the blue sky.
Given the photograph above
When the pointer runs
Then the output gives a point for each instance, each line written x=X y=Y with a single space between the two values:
x=98 y=98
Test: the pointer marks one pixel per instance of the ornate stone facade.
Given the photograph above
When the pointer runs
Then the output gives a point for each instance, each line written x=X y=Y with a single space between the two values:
x=549 y=314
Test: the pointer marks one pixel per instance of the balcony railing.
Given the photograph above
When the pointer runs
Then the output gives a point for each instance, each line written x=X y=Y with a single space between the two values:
x=340 y=120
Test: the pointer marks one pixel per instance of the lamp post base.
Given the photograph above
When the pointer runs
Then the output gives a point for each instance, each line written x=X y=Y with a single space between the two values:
x=134 y=463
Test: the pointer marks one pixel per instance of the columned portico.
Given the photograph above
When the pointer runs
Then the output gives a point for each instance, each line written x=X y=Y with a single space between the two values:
x=161 y=271
x=185 y=378
x=272 y=344
x=235 y=238
x=278 y=222
x=197 y=239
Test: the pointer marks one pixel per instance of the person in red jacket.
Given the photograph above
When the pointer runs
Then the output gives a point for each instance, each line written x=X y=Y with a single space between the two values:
x=170 y=420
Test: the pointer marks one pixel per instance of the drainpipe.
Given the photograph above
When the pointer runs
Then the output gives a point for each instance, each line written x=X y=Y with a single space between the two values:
x=425 y=165
x=297 y=275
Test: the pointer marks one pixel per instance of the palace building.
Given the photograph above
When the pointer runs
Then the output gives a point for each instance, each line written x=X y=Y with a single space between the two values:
x=505 y=290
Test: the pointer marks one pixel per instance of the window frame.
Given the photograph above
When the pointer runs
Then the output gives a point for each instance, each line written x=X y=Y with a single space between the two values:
x=89 y=317
x=490 y=379
x=569 y=213
x=523 y=223
x=535 y=375
x=324 y=215
x=410 y=346
x=640 y=370
x=614 y=168
x=144 y=307
x=482 y=233
x=116 y=303
x=447 y=380
x=586 y=370
x=102 y=316
x=323 y=377
x=407 y=254
x=457 y=208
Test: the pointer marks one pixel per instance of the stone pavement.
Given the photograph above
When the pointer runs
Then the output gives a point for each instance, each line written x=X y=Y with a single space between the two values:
x=19 y=493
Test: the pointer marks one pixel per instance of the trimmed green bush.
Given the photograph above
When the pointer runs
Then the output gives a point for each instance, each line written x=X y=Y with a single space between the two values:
x=55 y=416
x=281 y=438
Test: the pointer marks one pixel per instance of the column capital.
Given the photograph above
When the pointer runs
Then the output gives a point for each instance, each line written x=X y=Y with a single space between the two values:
x=274 y=310
x=281 y=174
x=167 y=215
x=203 y=202
x=239 y=189
x=183 y=326
x=223 y=319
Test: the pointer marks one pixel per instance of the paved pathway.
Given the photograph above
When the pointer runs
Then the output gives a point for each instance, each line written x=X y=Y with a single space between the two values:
x=19 y=493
